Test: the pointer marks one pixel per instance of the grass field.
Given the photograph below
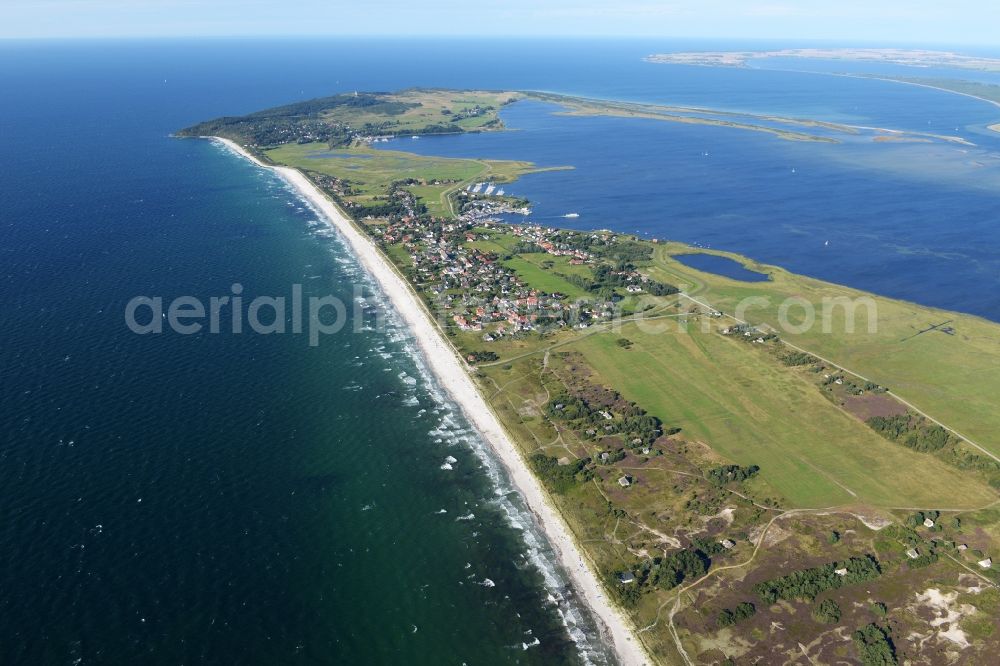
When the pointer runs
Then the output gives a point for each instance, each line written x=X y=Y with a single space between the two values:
x=529 y=268
x=739 y=401
x=370 y=171
x=498 y=242
x=953 y=378
x=427 y=107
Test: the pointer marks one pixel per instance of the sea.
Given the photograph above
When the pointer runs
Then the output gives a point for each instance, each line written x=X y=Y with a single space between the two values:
x=247 y=498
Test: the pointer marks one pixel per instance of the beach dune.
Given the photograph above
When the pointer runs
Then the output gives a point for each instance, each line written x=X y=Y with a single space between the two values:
x=450 y=372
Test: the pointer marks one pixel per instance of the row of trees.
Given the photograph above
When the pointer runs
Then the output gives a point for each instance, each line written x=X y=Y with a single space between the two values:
x=607 y=277
x=911 y=431
x=808 y=583
x=724 y=474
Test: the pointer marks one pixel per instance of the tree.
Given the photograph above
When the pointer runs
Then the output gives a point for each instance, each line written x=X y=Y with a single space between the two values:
x=826 y=611
x=743 y=611
x=874 y=646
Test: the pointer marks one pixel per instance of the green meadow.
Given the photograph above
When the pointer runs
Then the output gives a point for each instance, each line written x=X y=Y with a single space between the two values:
x=738 y=400
x=536 y=272
x=370 y=172
x=952 y=376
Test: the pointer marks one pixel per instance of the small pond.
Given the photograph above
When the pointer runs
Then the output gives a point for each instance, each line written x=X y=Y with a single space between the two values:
x=724 y=266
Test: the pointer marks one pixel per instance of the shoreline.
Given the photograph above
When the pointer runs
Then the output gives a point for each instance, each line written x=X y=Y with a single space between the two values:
x=450 y=372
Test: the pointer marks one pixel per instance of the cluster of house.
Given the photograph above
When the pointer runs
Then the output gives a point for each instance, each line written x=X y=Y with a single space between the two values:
x=487 y=209
x=485 y=294
x=742 y=329
x=914 y=553
x=544 y=237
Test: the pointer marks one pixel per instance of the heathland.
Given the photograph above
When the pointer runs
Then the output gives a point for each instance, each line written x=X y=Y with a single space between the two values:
x=725 y=453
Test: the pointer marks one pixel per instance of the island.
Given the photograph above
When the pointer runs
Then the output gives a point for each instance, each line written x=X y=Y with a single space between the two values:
x=718 y=489
x=907 y=57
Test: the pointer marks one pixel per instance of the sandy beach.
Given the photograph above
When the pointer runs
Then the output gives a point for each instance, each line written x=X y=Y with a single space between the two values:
x=451 y=373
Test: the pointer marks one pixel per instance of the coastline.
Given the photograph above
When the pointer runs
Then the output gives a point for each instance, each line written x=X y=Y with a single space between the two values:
x=451 y=374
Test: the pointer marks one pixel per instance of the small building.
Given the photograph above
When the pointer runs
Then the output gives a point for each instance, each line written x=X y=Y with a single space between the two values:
x=928 y=522
x=626 y=577
x=840 y=572
x=913 y=553
x=986 y=564
x=962 y=547
x=625 y=481
x=728 y=544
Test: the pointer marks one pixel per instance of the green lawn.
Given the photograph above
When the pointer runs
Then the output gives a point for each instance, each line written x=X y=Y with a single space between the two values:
x=528 y=267
x=954 y=378
x=739 y=401
x=399 y=255
x=498 y=242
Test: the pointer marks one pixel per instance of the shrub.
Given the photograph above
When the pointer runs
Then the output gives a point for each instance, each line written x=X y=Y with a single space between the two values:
x=808 y=583
x=826 y=611
x=743 y=611
x=874 y=646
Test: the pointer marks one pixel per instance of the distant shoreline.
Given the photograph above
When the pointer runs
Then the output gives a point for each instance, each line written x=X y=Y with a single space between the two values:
x=450 y=371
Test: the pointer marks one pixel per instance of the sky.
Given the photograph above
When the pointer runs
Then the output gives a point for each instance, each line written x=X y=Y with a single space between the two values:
x=937 y=22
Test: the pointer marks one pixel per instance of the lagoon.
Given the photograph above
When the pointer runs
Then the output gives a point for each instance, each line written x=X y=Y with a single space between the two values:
x=724 y=266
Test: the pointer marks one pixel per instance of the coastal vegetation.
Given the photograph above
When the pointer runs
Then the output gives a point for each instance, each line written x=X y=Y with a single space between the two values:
x=340 y=120
x=743 y=611
x=696 y=458
x=808 y=583
x=874 y=646
x=782 y=128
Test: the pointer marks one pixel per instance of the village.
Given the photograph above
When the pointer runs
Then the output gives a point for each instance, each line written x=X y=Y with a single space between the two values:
x=474 y=288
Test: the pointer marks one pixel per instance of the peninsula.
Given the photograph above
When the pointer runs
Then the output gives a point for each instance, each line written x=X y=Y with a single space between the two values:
x=716 y=487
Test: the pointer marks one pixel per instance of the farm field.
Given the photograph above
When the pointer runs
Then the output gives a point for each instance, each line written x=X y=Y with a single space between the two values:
x=741 y=403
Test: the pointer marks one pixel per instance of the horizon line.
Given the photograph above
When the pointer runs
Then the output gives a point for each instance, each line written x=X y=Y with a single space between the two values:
x=504 y=37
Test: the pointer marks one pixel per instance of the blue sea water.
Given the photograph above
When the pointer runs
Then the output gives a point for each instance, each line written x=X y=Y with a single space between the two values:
x=251 y=499
x=910 y=220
